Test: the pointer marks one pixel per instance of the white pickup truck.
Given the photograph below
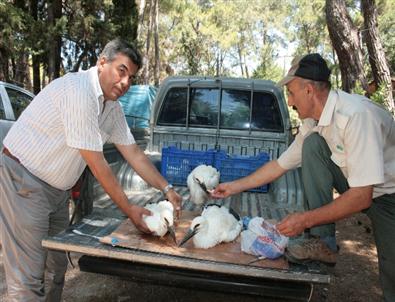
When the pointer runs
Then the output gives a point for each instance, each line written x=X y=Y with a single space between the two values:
x=238 y=117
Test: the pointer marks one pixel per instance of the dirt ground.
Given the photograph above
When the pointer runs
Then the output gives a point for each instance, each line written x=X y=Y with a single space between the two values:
x=354 y=279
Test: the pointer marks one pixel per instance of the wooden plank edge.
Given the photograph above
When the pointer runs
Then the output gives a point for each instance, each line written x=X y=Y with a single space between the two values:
x=194 y=264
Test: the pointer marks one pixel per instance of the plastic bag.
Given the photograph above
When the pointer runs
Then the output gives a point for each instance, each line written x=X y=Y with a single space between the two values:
x=262 y=239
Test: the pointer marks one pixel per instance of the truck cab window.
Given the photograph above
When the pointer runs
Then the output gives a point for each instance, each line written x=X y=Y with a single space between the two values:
x=19 y=101
x=174 y=109
x=204 y=107
x=266 y=113
x=235 y=109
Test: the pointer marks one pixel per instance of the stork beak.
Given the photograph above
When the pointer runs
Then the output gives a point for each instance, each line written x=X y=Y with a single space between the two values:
x=188 y=236
x=172 y=233
x=202 y=185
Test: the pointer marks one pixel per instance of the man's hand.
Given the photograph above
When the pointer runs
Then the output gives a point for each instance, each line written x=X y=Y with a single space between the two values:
x=176 y=200
x=135 y=213
x=292 y=225
x=223 y=190
x=147 y=171
x=352 y=201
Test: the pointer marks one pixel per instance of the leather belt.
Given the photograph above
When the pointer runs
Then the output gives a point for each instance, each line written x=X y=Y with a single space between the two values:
x=8 y=153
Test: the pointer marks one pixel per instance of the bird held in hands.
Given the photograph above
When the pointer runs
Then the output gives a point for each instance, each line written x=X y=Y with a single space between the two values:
x=162 y=219
x=201 y=181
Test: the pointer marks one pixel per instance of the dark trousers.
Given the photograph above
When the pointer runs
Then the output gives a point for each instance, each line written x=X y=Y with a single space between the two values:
x=320 y=175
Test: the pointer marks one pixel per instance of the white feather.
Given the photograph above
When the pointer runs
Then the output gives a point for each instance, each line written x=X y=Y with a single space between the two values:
x=156 y=222
x=205 y=174
x=215 y=225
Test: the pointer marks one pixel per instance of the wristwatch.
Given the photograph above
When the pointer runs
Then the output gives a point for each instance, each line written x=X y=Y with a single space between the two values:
x=167 y=189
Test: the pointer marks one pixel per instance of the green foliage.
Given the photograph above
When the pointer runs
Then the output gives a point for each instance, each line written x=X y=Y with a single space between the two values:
x=308 y=18
x=91 y=24
x=220 y=37
x=19 y=34
x=358 y=89
x=11 y=26
x=379 y=96
x=206 y=37
x=268 y=69
x=386 y=20
x=124 y=17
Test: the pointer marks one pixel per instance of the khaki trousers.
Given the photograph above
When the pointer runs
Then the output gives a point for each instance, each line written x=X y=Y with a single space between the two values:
x=30 y=210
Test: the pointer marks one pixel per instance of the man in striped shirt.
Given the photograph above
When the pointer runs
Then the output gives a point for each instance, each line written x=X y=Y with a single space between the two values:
x=45 y=152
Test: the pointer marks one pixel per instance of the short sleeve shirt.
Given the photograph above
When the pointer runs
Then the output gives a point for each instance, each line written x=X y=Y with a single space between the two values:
x=361 y=137
x=69 y=114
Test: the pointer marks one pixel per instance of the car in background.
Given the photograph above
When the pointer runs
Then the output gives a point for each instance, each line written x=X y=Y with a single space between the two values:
x=13 y=100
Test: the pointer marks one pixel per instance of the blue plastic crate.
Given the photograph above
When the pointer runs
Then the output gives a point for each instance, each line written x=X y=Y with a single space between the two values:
x=177 y=164
x=234 y=167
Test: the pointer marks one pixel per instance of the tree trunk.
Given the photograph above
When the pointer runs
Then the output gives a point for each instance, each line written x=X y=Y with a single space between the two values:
x=20 y=68
x=54 y=43
x=35 y=58
x=20 y=56
x=345 y=40
x=4 y=65
x=140 y=25
x=217 y=62
x=146 y=73
x=156 y=42
x=247 y=73
x=240 y=60
x=36 y=74
x=336 y=71
x=377 y=60
x=28 y=79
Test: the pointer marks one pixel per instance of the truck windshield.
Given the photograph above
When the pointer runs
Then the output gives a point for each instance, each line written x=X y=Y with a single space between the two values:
x=238 y=110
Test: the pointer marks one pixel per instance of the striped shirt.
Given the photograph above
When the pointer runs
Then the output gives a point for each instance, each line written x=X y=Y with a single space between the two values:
x=67 y=115
x=361 y=137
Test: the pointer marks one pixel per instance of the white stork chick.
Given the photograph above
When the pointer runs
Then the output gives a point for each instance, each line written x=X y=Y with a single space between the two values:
x=215 y=225
x=161 y=220
x=200 y=181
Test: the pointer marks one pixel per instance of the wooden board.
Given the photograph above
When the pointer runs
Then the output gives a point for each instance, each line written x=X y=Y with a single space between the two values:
x=128 y=236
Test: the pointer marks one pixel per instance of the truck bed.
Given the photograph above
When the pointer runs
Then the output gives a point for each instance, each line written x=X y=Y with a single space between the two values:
x=293 y=281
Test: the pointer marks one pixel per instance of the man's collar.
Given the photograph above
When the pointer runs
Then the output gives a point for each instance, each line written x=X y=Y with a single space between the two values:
x=94 y=75
x=329 y=108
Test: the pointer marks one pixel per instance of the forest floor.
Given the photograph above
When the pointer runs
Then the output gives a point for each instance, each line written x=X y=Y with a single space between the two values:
x=354 y=279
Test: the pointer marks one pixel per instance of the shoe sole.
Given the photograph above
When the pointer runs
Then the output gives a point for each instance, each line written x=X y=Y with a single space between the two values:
x=292 y=259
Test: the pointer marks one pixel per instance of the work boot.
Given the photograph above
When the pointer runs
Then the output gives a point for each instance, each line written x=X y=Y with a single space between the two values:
x=309 y=250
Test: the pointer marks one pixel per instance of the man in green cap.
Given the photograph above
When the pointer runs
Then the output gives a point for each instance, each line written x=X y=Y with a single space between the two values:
x=346 y=142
